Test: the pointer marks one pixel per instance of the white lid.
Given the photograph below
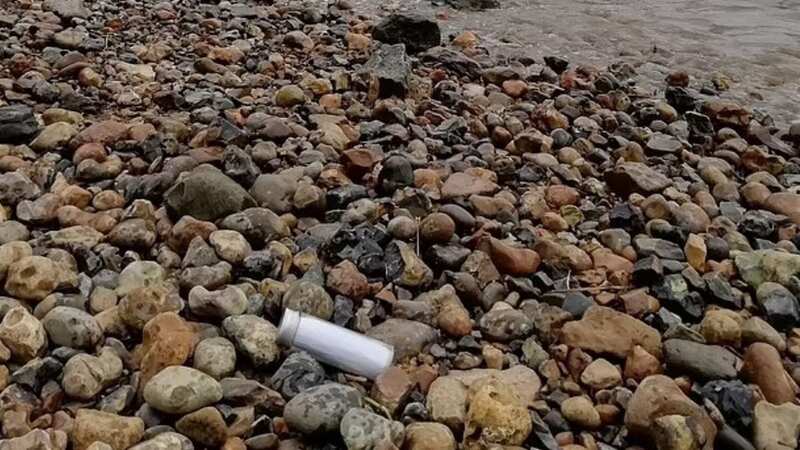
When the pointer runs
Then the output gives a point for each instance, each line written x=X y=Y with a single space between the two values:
x=287 y=329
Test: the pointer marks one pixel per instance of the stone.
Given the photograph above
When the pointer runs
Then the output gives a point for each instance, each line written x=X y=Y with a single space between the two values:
x=205 y=426
x=762 y=266
x=763 y=366
x=67 y=9
x=505 y=324
x=167 y=440
x=365 y=430
x=414 y=31
x=776 y=427
x=428 y=436
x=17 y=124
x=639 y=364
x=320 y=409
x=230 y=245
x=675 y=432
x=310 y=298
x=756 y=329
x=496 y=415
x=206 y=193
x=142 y=304
x=275 y=191
x=581 y=412
x=605 y=331
x=391 y=388
x=230 y=301
x=631 y=177
x=181 y=390
x=695 y=250
x=601 y=374
x=463 y=184
x=119 y=432
x=721 y=327
x=780 y=306
x=658 y=396
x=408 y=337
x=71 y=327
x=32 y=278
x=404 y=267
x=513 y=260
x=390 y=68
x=345 y=279
x=85 y=375
x=735 y=401
x=254 y=337
x=215 y=356
x=289 y=95
x=785 y=203
x=298 y=373
x=706 y=362
x=23 y=334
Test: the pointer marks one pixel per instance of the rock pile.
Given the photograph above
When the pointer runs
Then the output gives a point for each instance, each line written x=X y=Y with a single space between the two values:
x=560 y=259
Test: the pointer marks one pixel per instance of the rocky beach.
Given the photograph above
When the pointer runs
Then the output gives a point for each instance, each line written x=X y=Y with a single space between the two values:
x=562 y=256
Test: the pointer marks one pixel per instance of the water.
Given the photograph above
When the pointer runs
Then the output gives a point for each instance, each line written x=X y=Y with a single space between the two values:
x=752 y=42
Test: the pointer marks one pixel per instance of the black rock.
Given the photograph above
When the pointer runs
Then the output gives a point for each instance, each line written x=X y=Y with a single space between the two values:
x=779 y=304
x=757 y=225
x=721 y=292
x=729 y=439
x=444 y=257
x=260 y=265
x=390 y=66
x=416 y=32
x=576 y=303
x=342 y=310
x=734 y=400
x=297 y=373
x=340 y=197
x=17 y=124
x=717 y=248
x=36 y=372
x=680 y=98
x=699 y=124
x=648 y=270
x=395 y=174
x=647 y=246
x=625 y=216
x=673 y=292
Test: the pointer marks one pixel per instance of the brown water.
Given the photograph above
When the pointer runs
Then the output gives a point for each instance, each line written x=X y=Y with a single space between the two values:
x=755 y=43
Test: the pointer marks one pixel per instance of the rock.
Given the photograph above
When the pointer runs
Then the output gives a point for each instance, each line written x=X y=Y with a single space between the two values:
x=17 y=124
x=785 y=203
x=254 y=337
x=53 y=137
x=275 y=192
x=735 y=401
x=289 y=95
x=463 y=184
x=167 y=340
x=408 y=337
x=71 y=327
x=33 y=440
x=763 y=367
x=404 y=267
x=706 y=362
x=230 y=301
x=345 y=279
x=581 y=412
x=755 y=329
x=257 y=225
x=513 y=260
x=23 y=334
x=144 y=303
x=207 y=194
x=180 y=390
x=437 y=227
x=364 y=430
x=205 y=426
x=675 y=432
x=119 y=432
x=230 y=245
x=85 y=375
x=603 y=330
x=414 y=31
x=779 y=304
x=298 y=373
x=391 y=68
x=496 y=415
x=721 y=327
x=601 y=374
x=320 y=409
x=32 y=278
x=639 y=364
x=776 y=427
x=631 y=177
x=428 y=436
x=167 y=440
x=505 y=324
x=67 y=9
x=391 y=388
x=307 y=297
x=661 y=143
x=659 y=396
x=215 y=357
x=761 y=266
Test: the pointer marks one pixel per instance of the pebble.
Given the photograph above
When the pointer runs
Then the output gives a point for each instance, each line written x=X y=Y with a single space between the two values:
x=321 y=409
x=180 y=390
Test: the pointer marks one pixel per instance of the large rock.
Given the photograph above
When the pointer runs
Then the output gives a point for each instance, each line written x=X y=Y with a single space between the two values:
x=780 y=306
x=761 y=266
x=258 y=225
x=167 y=340
x=181 y=390
x=659 y=396
x=429 y=436
x=606 y=331
x=320 y=409
x=416 y=32
x=391 y=67
x=786 y=203
x=86 y=375
x=275 y=191
x=631 y=177
x=763 y=367
x=71 y=327
x=32 y=278
x=119 y=432
x=309 y=298
x=207 y=194
x=776 y=427
x=464 y=184
x=17 y=124
x=23 y=334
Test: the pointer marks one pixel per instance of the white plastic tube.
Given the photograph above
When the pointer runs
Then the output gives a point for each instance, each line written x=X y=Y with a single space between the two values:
x=335 y=345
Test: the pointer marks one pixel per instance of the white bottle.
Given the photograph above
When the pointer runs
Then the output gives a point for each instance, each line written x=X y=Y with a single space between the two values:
x=331 y=344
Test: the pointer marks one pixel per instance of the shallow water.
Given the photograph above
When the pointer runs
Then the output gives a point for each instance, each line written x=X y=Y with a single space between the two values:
x=755 y=43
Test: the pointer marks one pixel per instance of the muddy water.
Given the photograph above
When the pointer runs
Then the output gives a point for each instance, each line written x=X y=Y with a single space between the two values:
x=755 y=43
